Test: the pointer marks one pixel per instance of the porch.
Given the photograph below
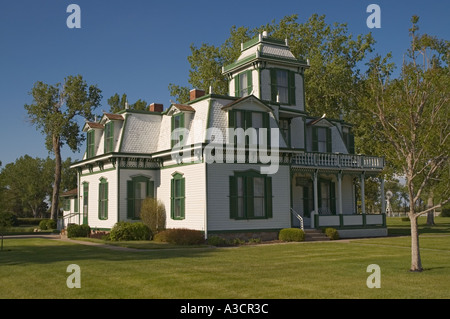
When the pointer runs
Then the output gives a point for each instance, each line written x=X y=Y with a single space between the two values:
x=324 y=191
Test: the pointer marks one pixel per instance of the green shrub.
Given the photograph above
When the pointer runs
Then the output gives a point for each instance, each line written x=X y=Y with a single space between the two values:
x=24 y=221
x=445 y=212
x=8 y=219
x=180 y=236
x=51 y=224
x=291 y=234
x=130 y=231
x=153 y=214
x=332 y=233
x=217 y=241
x=43 y=224
x=74 y=230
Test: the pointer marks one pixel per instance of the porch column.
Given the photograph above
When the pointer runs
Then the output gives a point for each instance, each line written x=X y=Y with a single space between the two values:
x=363 y=205
x=339 y=179
x=316 y=199
x=383 y=196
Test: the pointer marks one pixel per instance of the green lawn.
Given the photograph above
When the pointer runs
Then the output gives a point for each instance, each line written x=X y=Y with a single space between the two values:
x=36 y=268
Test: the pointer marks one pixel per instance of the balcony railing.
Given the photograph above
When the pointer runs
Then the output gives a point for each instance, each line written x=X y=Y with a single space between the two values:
x=338 y=160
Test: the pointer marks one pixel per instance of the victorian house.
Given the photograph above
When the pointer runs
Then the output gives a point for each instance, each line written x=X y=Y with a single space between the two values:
x=318 y=181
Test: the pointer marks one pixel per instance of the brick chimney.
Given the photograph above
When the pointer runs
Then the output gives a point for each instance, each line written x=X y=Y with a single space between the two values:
x=154 y=107
x=195 y=94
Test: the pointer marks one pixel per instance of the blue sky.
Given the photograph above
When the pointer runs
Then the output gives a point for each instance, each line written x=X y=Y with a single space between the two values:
x=138 y=47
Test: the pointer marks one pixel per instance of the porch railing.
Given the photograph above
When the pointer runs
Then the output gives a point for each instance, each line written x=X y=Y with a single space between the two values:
x=338 y=160
x=300 y=218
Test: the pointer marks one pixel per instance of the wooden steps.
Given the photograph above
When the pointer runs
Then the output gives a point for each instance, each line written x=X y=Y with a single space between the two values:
x=315 y=235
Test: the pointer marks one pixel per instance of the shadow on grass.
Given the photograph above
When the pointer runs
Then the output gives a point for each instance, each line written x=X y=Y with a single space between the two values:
x=398 y=227
x=46 y=251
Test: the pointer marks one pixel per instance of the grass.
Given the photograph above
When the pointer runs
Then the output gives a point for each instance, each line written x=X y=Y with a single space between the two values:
x=36 y=268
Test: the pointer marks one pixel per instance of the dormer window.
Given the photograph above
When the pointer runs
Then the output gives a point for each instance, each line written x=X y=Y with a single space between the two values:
x=177 y=124
x=109 y=137
x=321 y=139
x=90 y=151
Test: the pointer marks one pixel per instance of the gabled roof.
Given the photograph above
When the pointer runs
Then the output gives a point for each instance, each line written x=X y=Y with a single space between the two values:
x=92 y=125
x=114 y=117
x=249 y=98
x=184 y=107
x=180 y=107
x=70 y=193
x=321 y=120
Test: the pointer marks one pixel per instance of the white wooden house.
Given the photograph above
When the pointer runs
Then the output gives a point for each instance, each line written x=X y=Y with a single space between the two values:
x=131 y=155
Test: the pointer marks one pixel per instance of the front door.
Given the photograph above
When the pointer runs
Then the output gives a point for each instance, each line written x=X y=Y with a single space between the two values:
x=302 y=200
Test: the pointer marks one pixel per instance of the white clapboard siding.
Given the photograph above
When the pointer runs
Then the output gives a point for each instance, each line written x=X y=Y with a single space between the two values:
x=94 y=181
x=195 y=198
x=219 y=202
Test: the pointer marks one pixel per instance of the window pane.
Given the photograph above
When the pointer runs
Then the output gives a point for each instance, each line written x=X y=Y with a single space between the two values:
x=140 y=190
x=322 y=139
x=243 y=91
x=258 y=196
x=177 y=209
x=258 y=186
x=257 y=120
x=282 y=78
x=240 y=194
x=137 y=207
x=239 y=119
x=282 y=86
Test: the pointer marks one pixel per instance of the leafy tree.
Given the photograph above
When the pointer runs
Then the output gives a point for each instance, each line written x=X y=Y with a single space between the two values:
x=332 y=81
x=117 y=103
x=25 y=186
x=408 y=117
x=54 y=111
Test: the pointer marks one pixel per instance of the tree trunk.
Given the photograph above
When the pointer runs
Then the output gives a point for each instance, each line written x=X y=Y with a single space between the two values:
x=416 y=263
x=57 y=182
x=430 y=215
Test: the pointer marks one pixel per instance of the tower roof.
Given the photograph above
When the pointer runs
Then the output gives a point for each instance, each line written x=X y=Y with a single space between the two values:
x=264 y=48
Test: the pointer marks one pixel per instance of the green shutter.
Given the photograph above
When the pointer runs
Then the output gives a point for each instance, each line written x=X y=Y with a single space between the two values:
x=236 y=86
x=231 y=118
x=291 y=85
x=111 y=136
x=172 y=125
x=273 y=85
x=268 y=197
x=333 y=198
x=351 y=148
x=172 y=198
x=249 y=205
x=233 y=197
x=329 y=140
x=75 y=205
x=150 y=189
x=315 y=143
x=105 y=201
x=130 y=199
x=92 y=146
x=266 y=124
x=183 y=194
x=249 y=82
x=306 y=211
